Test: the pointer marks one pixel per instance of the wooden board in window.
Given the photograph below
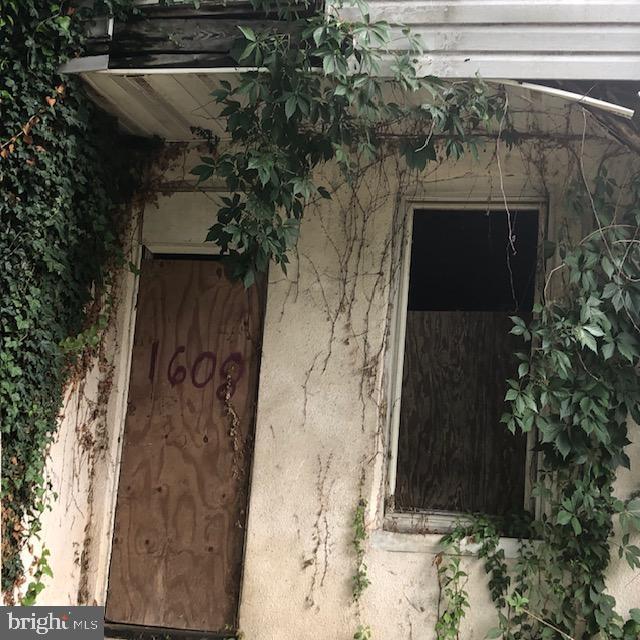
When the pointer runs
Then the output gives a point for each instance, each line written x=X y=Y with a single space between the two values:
x=453 y=452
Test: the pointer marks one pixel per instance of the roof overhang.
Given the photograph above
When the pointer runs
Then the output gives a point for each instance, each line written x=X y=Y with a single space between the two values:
x=176 y=104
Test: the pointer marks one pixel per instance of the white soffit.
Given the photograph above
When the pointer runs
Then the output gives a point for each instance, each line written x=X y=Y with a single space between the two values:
x=159 y=104
x=170 y=104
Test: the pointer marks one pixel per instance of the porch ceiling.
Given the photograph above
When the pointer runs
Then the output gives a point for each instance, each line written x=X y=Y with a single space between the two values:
x=156 y=70
x=176 y=105
x=159 y=104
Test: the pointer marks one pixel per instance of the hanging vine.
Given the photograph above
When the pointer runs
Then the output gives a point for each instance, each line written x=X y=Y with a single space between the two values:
x=62 y=191
x=576 y=387
x=318 y=97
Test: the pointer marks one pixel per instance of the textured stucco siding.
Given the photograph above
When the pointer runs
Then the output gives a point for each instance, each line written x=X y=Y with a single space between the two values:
x=317 y=434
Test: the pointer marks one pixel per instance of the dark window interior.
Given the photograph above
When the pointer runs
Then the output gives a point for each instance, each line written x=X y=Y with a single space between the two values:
x=463 y=261
x=465 y=281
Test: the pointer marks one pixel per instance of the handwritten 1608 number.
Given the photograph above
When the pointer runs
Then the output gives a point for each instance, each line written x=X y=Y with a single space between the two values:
x=202 y=370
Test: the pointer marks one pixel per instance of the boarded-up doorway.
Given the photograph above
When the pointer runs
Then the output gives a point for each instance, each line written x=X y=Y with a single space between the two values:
x=181 y=508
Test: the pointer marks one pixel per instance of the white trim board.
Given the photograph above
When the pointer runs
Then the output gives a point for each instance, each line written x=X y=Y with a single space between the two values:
x=429 y=543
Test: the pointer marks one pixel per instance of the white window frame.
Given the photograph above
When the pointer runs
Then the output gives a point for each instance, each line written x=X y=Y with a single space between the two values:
x=437 y=521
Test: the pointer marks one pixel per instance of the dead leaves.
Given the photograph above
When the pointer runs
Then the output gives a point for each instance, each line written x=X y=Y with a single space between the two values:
x=9 y=146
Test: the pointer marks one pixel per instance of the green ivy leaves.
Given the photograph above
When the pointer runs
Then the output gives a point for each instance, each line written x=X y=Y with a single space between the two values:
x=577 y=386
x=316 y=97
x=360 y=578
x=60 y=227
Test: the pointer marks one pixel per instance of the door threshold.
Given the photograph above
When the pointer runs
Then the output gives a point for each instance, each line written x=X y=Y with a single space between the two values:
x=140 y=632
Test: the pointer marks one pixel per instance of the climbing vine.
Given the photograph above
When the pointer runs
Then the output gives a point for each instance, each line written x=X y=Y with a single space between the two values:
x=317 y=97
x=62 y=191
x=576 y=387
x=360 y=578
x=452 y=581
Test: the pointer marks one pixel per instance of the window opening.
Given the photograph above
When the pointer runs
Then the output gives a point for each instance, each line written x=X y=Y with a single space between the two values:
x=469 y=271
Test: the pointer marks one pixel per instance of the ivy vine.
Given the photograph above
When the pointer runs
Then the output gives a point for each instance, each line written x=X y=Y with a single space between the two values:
x=576 y=387
x=317 y=96
x=62 y=189
x=360 y=577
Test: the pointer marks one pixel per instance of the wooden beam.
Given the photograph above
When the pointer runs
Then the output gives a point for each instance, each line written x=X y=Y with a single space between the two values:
x=210 y=8
x=171 y=61
x=185 y=35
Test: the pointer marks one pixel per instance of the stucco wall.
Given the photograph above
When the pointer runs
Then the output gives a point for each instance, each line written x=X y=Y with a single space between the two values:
x=320 y=445
x=84 y=462
x=322 y=437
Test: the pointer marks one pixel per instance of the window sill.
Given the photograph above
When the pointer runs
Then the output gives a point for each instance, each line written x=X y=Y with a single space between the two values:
x=422 y=532
x=423 y=521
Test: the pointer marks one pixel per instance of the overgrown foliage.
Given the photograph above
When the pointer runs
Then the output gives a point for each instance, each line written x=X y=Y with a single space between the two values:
x=360 y=578
x=452 y=581
x=317 y=96
x=60 y=233
x=576 y=388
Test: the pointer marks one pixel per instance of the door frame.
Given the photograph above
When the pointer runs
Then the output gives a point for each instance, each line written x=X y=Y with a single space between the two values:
x=105 y=530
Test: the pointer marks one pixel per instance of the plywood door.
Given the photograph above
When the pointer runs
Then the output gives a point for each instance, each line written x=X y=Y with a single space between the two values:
x=182 y=496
